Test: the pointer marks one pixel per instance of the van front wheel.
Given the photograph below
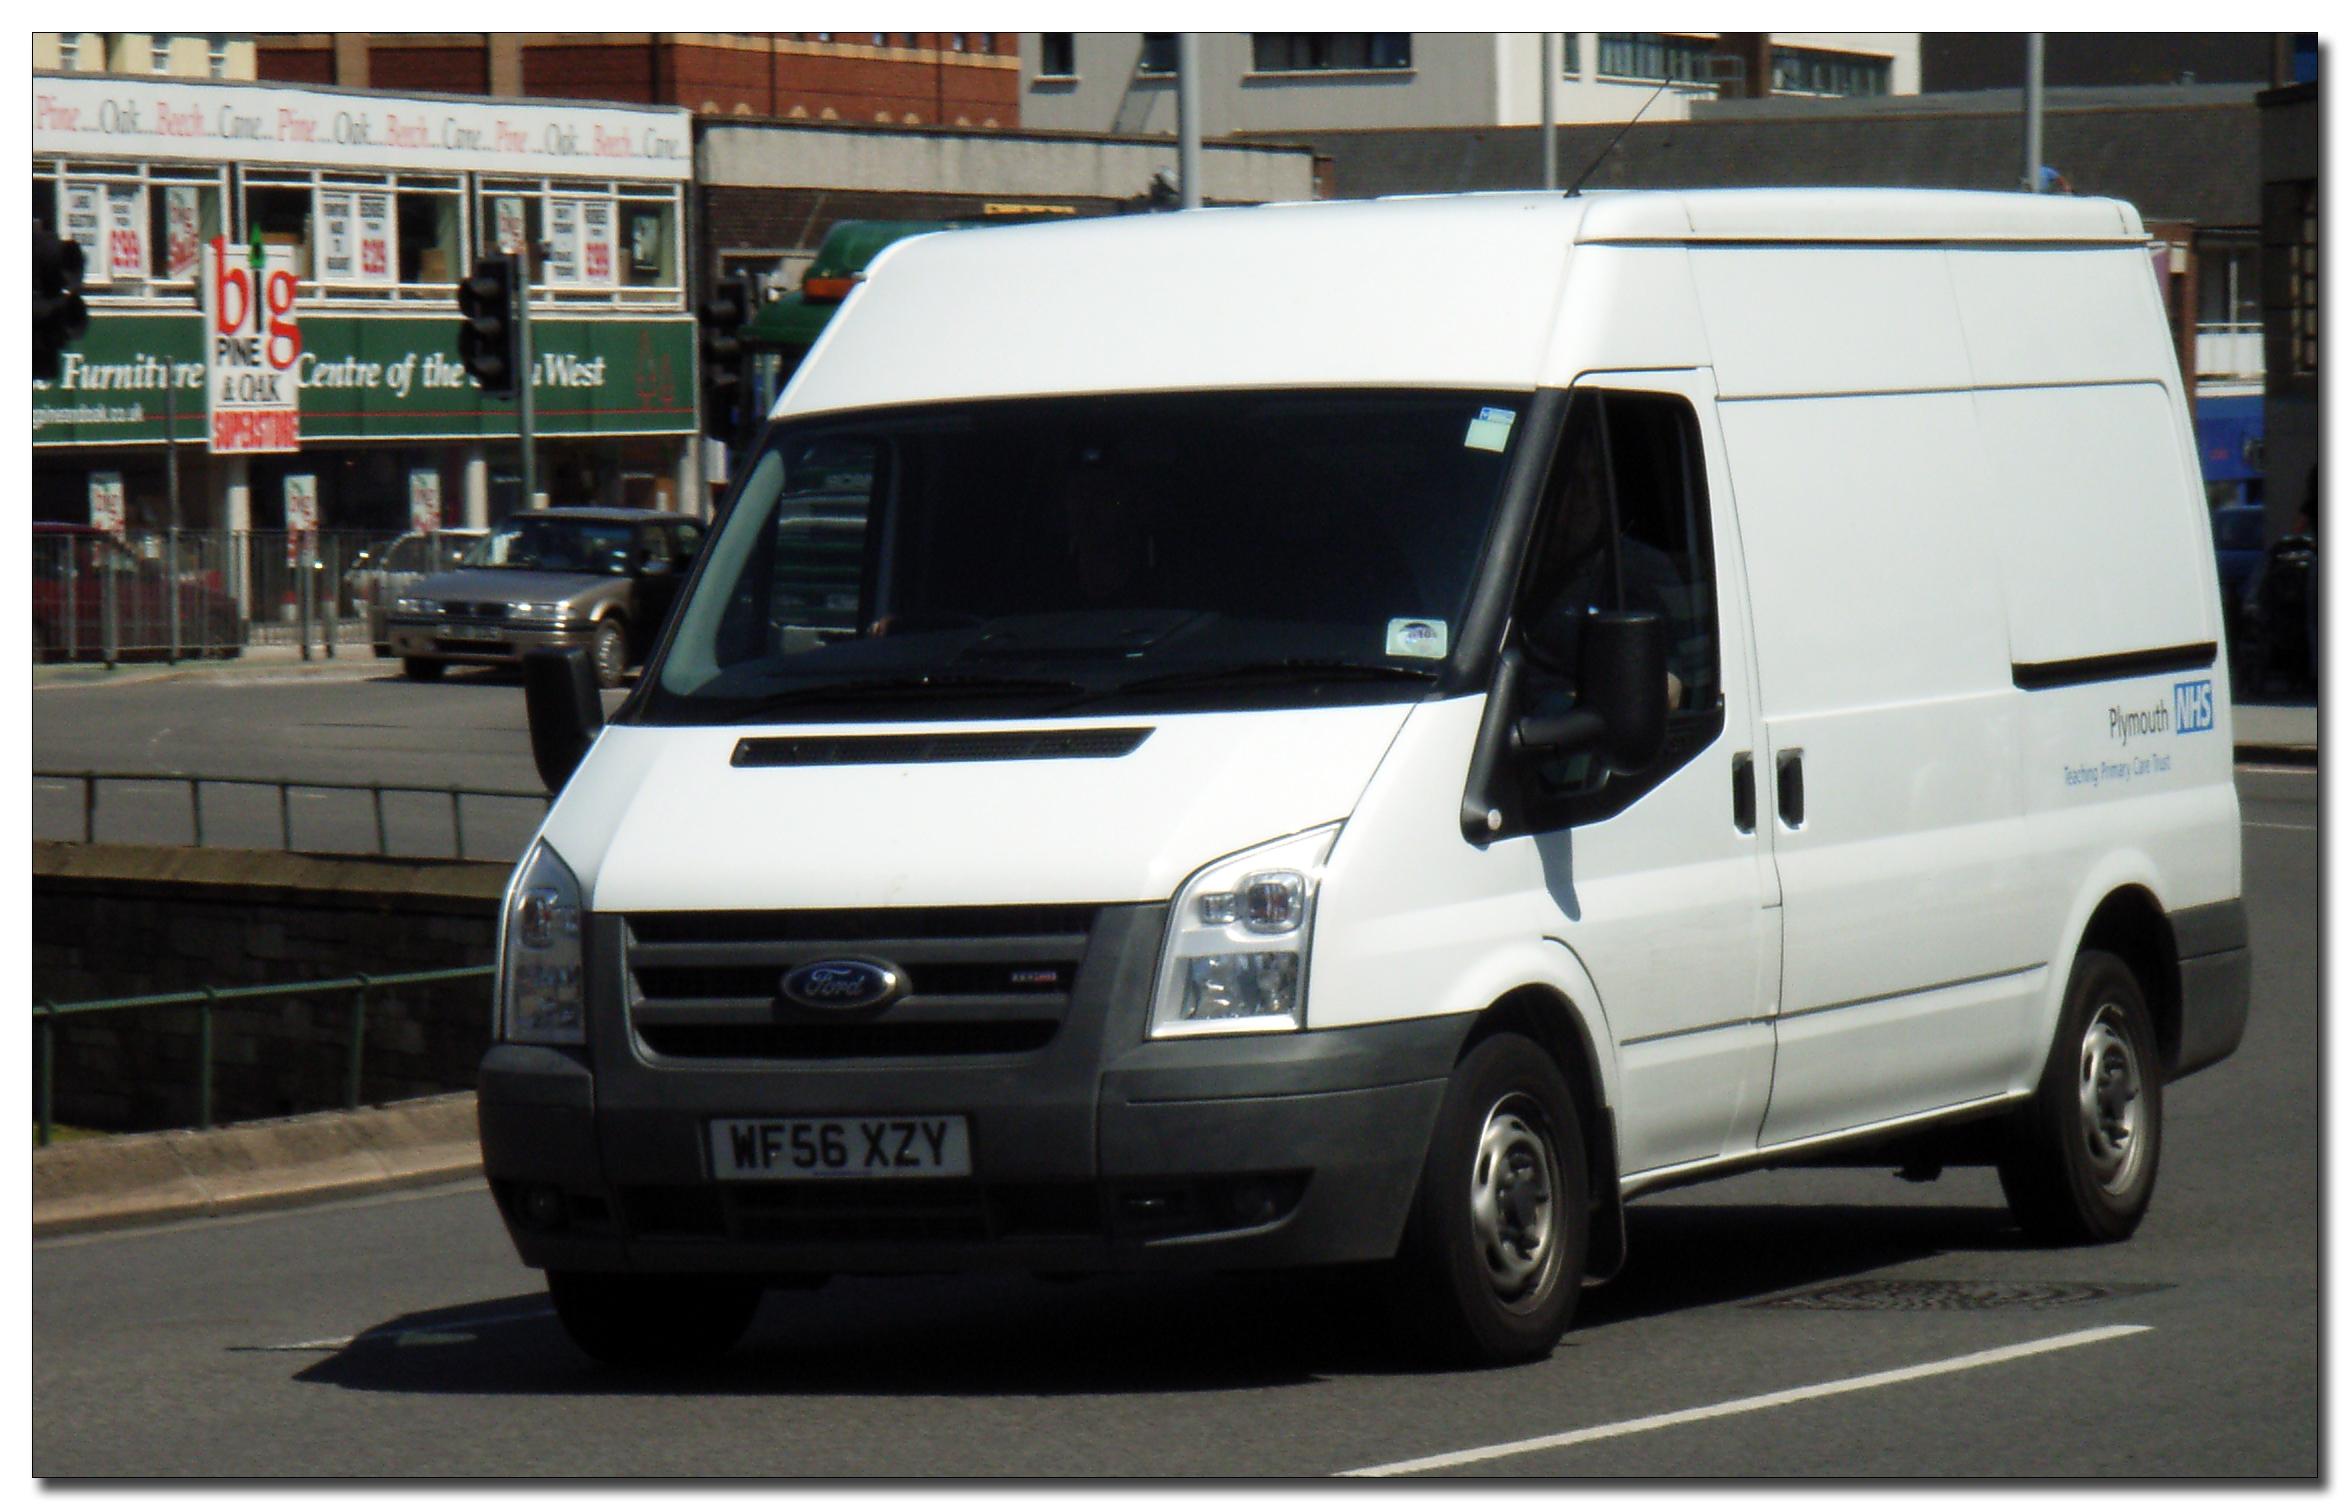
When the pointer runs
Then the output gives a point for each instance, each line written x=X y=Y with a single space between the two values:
x=1493 y=1253
x=651 y=1320
x=2080 y=1163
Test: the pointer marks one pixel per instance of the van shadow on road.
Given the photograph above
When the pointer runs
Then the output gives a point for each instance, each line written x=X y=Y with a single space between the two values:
x=1014 y=1334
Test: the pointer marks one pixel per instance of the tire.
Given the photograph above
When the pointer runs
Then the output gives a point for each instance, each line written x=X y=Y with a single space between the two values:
x=1493 y=1252
x=422 y=668
x=608 y=652
x=2079 y=1167
x=644 y=1321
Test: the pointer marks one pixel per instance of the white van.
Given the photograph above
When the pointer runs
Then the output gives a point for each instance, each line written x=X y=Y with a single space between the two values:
x=1382 y=731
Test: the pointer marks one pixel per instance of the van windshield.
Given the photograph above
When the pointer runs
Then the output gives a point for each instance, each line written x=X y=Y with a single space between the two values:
x=1111 y=553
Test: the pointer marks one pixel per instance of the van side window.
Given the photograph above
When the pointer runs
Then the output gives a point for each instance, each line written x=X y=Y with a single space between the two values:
x=805 y=587
x=1624 y=525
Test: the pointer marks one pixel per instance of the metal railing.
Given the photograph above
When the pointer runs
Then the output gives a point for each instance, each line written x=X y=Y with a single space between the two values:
x=285 y=789
x=204 y=1001
x=187 y=594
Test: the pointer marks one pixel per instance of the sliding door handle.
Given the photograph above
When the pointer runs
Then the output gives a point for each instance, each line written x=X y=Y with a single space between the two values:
x=1743 y=791
x=1791 y=783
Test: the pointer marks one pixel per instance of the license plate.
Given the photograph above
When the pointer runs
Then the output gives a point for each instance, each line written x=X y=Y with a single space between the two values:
x=472 y=632
x=856 y=1148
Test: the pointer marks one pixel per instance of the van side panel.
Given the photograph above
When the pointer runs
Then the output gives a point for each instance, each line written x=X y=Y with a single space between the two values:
x=1829 y=320
x=2039 y=318
x=2098 y=530
x=1627 y=308
x=1910 y=942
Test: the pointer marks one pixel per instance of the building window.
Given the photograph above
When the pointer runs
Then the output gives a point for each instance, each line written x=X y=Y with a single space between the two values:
x=1057 y=54
x=1310 y=51
x=1570 y=45
x=217 y=55
x=1805 y=70
x=1654 y=57
x=1159 y=53
x=69 y=44
x=159 y=48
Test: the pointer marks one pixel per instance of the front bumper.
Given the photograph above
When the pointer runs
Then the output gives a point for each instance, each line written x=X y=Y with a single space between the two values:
x=1099 y=1151
x=445 y=640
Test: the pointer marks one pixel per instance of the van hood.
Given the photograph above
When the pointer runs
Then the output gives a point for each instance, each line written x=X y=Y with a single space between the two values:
x=657 y=818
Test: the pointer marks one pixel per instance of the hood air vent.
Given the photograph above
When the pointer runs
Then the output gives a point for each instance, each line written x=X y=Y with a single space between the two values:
x=909 y=750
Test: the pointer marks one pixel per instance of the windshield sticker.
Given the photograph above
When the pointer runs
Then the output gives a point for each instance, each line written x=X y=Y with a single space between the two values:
x=1424 y=638
x=1490 y=431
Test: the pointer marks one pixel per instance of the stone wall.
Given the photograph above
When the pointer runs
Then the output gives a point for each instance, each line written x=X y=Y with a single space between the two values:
x=130 y=920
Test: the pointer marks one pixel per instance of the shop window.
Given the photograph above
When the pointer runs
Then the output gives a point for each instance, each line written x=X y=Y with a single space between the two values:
x=432 y=237
x=648 y=252
x=280 y=215
x=45 y=200
x=182 y=217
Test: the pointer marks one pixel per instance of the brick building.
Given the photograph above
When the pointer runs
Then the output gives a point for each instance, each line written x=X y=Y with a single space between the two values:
x=969 y=80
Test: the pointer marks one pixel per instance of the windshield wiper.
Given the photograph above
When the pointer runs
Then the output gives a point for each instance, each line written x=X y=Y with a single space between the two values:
x=1287 y=669
x=922 y=685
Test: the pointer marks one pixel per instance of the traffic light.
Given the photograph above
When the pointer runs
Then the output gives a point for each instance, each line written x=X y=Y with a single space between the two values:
x=725 y=394
x=487 y=342
x=59 y=316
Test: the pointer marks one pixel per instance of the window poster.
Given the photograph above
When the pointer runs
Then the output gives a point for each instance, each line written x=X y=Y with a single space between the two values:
x=183 y=233
x=337 y=238
x=645 y=245
x=301 y=517
x=596 y=242
x=507 y=211
x=375 y=239
x=85 y=224
x=126 y=232
x=106 y=502
x=563 y=241
x=424 y=499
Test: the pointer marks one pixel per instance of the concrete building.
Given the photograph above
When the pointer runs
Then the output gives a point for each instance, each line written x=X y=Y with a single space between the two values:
x=962 y=79
x=1123 y=83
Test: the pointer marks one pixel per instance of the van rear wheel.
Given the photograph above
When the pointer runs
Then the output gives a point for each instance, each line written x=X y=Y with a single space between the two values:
x=2080 y=1161
x=639 y=1321
x=1493 y=1252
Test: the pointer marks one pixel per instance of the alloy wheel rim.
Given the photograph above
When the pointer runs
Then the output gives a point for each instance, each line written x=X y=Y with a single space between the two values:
x=2112 y=1101
x=1513 y=1201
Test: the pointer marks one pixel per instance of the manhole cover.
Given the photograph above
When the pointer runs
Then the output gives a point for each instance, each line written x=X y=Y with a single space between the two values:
x=1956 y=1295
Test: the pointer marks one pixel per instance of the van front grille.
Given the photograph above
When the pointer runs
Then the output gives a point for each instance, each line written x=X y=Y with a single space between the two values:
x=842 y=1041
x=971 y=981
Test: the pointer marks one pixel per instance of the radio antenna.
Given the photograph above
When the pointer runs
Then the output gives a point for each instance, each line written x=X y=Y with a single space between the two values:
x=1578 y=185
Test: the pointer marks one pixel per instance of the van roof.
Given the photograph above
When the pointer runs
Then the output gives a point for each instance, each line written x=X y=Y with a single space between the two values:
x=1436 y=291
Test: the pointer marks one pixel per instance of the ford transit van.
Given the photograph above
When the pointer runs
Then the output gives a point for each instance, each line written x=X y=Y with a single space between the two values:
x=1231 y=739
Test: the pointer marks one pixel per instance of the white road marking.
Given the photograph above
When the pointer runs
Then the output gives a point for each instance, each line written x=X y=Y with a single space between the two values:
x=1750 y=1403
x=2305 y=828
x=438 y=1332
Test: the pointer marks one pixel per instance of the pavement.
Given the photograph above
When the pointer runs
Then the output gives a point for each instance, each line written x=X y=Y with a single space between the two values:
x=137 y=1178
x=257 y=661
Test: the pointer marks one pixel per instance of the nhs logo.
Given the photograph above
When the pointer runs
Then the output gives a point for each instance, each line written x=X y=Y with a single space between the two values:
x=2191 y=706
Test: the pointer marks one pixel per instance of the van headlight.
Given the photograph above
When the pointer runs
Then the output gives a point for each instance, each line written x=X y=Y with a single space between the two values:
x=1237 y=937
x=416 y=606
x=542 y=979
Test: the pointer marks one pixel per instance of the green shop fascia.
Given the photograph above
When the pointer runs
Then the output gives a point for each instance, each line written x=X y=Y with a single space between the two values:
x=383 y=397
x=367 y=377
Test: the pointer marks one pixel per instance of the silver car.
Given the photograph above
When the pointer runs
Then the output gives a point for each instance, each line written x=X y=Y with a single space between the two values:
x=599 y=578
x=386 y=571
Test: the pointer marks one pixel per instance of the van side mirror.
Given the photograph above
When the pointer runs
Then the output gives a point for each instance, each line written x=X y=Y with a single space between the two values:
x=559 y=693
x=1621 y=694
